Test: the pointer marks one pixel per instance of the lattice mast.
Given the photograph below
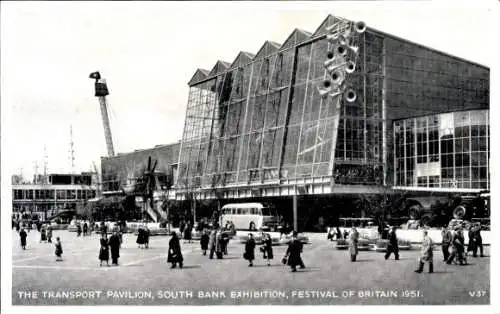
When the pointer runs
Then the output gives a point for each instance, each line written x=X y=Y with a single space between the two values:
x=101 y=91
x=71 y=150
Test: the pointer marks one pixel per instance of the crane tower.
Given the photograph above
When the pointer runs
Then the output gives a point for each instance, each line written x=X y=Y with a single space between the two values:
x=101 y=91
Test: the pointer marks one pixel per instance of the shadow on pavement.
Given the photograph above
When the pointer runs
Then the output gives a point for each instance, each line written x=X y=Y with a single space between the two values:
x=190 y=266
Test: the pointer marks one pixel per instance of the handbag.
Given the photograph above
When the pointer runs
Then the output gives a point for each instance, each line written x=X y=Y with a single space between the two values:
x=284 y=260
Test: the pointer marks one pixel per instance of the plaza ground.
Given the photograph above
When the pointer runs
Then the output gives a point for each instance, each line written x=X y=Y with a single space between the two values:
x=144 y=277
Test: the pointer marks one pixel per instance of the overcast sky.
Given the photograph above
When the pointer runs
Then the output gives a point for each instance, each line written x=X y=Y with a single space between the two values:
x=148 y=52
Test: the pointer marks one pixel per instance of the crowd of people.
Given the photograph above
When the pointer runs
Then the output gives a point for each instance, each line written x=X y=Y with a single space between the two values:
x=450 y=238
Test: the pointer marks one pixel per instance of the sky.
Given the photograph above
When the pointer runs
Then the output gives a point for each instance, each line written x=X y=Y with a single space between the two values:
x=147 y=52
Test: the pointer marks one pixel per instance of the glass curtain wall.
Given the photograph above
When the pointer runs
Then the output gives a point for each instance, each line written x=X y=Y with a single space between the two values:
x=443 y=151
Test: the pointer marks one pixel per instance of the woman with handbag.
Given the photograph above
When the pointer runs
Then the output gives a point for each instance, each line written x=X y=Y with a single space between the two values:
x=249 y=254
x=267 y=249
x=174 y=252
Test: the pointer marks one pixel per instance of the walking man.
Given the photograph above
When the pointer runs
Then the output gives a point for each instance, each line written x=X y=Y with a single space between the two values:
x=392 y=246
x=23 y=235
x=353 y=244
x=458 y=247
x=445 y=243
x=293 y=253
x=114 y=245
x=479 y=241
x=174 y=252
x=426 y=254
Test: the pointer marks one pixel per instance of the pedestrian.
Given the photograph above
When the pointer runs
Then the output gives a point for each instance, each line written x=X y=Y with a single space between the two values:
x=147 y=233
x=219 y=244
x=346 y=234
x=104 y=251
x=426 y=254
x=59 y=250
x=78 y=229
x=392 y=246
x=85 y=229
x=249 y=253
x=140 y=237
x=43 y=234
x=114 y=245
x=18 y=226
x=479 y=241
x=49 y=234
x=182 y=226
x=471 y=246
x=457 y=251
x=224 y=242
x=445 y=243
x=212 y=243
x=293 y=252
x=23 y=235
x=267 y=248
x=104 y=229
x=353 y=244
x=205 y=238
x=174 y=252
x=188 y=233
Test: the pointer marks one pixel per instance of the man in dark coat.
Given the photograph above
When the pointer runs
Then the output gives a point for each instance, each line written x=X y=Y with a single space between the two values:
x=293 y=253
x=78 y=229
x=140 y=237
x=479 y=241
x=104 y=251
x=445 y=243
x=212 y=243
x=267 y=248
x=85 y=229
x=471 y=246
x=392 y=246
x=114 y=245
x=249 y=254
x=174 y=252
x=22 y=236
x=204 y=242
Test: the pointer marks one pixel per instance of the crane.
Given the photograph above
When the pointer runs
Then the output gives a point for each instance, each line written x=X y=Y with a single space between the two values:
x=101 y=91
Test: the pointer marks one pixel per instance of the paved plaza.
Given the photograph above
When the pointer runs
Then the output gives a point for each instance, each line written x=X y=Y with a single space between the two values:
x=144 y=277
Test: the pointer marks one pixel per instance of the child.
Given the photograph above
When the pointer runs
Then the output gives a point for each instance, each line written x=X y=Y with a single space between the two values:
x=59 y=250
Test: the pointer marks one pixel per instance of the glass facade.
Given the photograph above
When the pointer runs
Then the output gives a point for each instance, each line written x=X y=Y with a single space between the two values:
x=262 y=119
x=448 y=150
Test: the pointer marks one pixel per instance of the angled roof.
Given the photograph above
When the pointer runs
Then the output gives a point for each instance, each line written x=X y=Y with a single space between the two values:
x=242 y=59
x=219 y=67
x=268 y=48
x=296 y=37
x=198 y=76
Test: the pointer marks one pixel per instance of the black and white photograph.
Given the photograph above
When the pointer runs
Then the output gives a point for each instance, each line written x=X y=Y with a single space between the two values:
x=239 y=153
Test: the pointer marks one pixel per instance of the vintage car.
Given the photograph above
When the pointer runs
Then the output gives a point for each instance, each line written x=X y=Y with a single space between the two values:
x=363 y=244
x=381 y=245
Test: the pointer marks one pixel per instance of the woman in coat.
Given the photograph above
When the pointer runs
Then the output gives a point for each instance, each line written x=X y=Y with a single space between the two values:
x=249 y=254
x=23 y=235
x=204 y=242
x=174 y=251
x=104 y=251
x=293 y=253
x=140 y=237
x=353 y=244
x=146 y=237
x=43 y=235
x=188 y=233
x=219 y=244
x=267 y=249
x=212 y=243
x=426 y=254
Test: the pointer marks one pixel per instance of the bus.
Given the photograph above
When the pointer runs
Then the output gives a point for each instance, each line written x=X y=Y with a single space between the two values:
x=250 y=216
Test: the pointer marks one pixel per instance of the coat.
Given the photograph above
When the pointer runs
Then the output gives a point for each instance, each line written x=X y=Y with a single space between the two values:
x=141 y=239
x=59 y=249
x=218 y=242
x=393 y=239
x=293 y=252
x=188 y=233
x=23 y=235
x=446 y=237
x=353 y=243
x=268 y=249
x=204 y=241
x=49 y=232
x=114 y=245
x=104 y=250
x=249 y=250
x=174 y=251
x=426 y=250
x=211 y=242
x=472 y=241
x=458 y=242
